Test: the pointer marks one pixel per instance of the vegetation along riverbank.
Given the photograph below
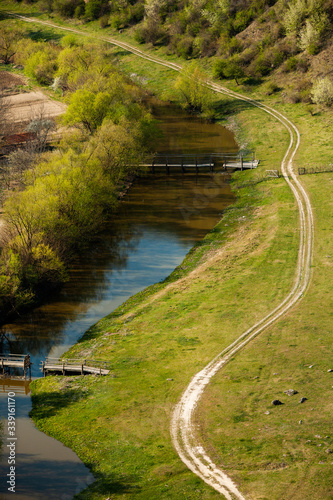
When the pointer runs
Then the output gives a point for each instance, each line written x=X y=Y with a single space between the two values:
x=54 y=201
x=161 y=337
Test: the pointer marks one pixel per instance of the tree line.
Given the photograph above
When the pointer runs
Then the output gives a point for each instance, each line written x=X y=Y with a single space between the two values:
x=61 y=198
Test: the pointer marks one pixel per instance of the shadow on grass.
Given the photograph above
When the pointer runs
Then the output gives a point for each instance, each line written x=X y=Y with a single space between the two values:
x=43 y=35
x=12 y=15
x=108 y=485
x=225 y=108
x=47 y=404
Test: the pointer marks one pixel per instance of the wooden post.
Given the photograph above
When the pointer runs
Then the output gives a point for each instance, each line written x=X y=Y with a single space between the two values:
x=63 y=368
x=153 y=166
x=183 y=170
x=225 y=163
x=196 y=165
x=241 y=162
x=81 y=369
x=167 y=166
x=211 y=166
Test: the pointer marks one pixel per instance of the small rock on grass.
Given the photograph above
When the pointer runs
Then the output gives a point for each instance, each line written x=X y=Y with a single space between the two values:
x=276 y=402
x=302 y=400
x=290 y=392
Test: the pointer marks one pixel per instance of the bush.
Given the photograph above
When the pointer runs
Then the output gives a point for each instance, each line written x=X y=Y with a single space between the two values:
x=67 y=8
x=290 y=64
x=42 y=66
x=230 y=69
x=322 y=92
x=104 y=21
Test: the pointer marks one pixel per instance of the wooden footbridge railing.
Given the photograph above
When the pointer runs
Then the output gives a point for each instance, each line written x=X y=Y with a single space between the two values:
x=212 y=162
x=80 y=366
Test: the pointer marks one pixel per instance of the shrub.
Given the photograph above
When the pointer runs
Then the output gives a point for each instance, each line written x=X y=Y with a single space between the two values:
x=67 y=8
x=294 y=16
x=42 y=66
x=230 y=69
x=322 y=92
x=184 y=47
x=290 y=64
x=104 y=21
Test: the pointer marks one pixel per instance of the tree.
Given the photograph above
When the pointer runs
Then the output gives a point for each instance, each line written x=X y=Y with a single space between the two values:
x=193 y=91
x=8 y=39
x=322 y=92
x=88 y=109
x=229 y=69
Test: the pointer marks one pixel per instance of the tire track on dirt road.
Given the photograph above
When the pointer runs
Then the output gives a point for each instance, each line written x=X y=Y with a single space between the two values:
x=183 y=433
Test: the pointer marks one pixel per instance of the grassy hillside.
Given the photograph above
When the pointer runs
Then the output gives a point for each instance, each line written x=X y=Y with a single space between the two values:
x=119 y=425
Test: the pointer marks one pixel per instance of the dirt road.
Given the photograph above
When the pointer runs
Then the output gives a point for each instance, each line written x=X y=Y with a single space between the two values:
x=184 y=438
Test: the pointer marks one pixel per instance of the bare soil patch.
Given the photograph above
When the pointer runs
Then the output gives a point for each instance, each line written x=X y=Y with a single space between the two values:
x=25 y=107
x=9 y=82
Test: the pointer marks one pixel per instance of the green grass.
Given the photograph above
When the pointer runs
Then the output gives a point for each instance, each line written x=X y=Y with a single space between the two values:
x=119 y=425
x=264 y=453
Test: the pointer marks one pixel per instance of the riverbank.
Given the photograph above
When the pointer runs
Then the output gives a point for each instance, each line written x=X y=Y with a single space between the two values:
x=167 y=332
x=126 y=452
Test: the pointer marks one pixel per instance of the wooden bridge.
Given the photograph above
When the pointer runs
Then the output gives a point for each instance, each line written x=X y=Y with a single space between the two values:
x=211 y=162
x=8 y=361
x=80 y=366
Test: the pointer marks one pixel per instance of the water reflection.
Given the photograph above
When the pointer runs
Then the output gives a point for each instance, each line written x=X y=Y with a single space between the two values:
x=159 y=221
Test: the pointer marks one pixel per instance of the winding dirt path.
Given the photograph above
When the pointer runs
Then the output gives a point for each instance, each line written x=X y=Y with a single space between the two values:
x=183 y=434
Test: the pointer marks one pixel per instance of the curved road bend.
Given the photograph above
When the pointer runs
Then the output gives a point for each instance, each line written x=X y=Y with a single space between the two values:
x=183 y=434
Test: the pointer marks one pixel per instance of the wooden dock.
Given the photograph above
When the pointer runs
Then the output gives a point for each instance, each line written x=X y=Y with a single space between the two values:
x=78 y=366
x=211 y=162
x=8 y=361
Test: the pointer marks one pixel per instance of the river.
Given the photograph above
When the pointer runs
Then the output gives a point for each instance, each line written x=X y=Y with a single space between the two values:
x=157 y=223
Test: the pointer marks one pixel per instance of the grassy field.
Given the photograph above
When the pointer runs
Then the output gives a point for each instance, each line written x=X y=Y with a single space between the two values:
x=119 y=425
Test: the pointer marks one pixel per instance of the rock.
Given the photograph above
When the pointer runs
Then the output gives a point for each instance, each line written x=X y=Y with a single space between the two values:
x=290 y=392
x=169 y=379
x=276 y=402
x=311 y=366
x=267 y=412
x=302 y=400
x=317 y=436
x=254 y=378
x=300 y=422
x=329 y=450
x=330 y=370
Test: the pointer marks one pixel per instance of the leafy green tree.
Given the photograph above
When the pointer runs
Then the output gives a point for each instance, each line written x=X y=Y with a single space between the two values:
x=229 y=69
x=193 y=91
x=42 y=65
x=88 y=109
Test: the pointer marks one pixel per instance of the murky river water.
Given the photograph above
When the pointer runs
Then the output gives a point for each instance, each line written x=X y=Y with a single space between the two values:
x=160 y=219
